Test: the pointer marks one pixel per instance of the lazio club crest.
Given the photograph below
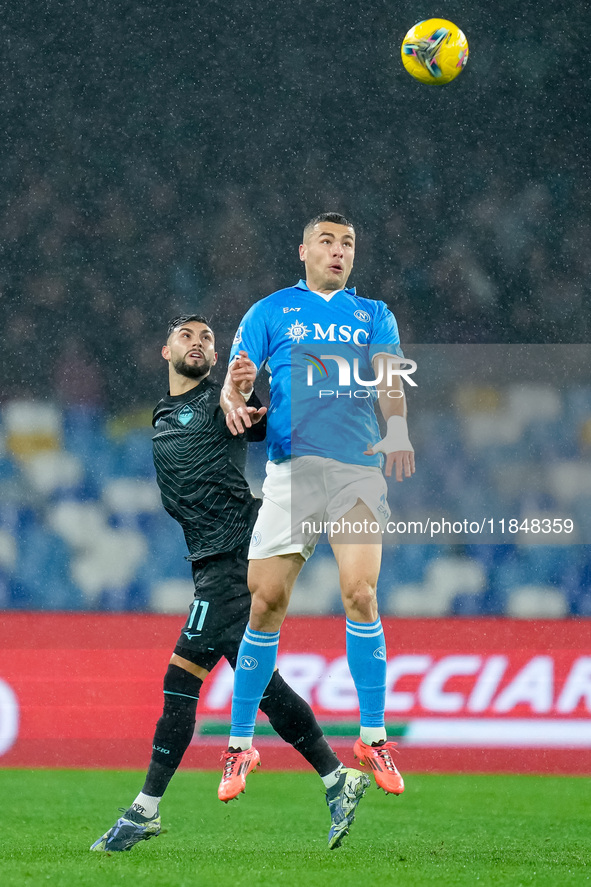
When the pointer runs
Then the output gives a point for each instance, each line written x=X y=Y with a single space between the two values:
x=185 y=415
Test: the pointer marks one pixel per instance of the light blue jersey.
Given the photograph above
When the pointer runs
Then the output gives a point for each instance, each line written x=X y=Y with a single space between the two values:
x=318 y=354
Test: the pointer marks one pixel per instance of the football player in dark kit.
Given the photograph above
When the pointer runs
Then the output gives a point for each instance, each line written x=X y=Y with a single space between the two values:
x=199 y=468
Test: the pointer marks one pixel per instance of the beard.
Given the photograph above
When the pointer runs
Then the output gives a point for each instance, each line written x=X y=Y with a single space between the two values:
x=191 y=371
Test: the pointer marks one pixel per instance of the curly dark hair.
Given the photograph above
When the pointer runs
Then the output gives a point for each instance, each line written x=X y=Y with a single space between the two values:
x=182 y=319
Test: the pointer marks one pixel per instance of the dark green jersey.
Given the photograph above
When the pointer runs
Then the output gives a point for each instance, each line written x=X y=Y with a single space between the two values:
x=199 y=468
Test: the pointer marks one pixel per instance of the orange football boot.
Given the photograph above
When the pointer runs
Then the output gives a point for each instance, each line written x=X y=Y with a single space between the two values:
x=379 y=758
x=237 y=766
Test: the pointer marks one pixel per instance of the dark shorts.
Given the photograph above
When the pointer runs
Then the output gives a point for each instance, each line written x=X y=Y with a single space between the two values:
x=219 y=614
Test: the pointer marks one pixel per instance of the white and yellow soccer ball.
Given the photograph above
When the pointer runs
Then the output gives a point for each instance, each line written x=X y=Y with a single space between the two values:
x=435 y=51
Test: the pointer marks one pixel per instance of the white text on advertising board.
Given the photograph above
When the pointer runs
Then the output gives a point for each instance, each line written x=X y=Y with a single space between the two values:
x=452 y=684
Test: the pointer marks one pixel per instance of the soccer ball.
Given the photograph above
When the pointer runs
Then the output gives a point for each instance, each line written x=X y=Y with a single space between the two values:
x=434 y=51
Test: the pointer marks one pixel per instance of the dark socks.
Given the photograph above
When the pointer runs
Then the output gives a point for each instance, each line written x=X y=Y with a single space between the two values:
x=174 y=729
x=293 y=719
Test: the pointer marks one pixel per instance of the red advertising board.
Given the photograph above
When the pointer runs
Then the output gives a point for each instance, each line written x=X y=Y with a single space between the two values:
x=485 y=695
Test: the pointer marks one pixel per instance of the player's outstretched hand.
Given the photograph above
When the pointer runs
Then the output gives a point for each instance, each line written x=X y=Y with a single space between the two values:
x=404 y=460
x=241 y=418
x=397 y=448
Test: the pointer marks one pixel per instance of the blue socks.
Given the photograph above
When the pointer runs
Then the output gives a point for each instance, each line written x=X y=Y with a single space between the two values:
x=257 y=656
x=366 y=657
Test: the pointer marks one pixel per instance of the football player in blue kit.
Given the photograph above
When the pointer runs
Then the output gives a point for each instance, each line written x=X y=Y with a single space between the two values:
x=324 y=471
x=200 y=472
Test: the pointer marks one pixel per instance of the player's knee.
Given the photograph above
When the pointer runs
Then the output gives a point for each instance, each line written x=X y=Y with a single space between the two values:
x=181 y=688
x=360 y=600
x=269 y=601
x=271 y=580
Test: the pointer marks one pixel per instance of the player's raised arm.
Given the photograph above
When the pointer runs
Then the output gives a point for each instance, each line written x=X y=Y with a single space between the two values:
x=238 y=387
x=249 y=351
x=395 y=445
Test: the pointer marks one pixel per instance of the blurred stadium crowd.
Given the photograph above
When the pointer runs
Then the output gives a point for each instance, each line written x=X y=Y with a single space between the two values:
x=82 y=526
x=157 y=165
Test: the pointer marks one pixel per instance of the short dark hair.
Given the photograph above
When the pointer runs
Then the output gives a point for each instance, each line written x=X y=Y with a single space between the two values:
x=335 y=218
x=182 y=319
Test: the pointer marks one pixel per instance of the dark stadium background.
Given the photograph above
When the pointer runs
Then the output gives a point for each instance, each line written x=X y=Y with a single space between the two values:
x=163 y=157
x=159 y=157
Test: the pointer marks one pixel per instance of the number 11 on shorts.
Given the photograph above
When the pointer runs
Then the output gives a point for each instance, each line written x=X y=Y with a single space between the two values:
x=202 y=606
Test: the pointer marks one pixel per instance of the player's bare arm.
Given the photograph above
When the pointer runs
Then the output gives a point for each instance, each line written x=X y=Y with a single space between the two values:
x=395 y=445
x=237 y=388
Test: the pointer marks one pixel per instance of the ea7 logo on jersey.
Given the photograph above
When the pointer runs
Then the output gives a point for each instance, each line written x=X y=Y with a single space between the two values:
x=287 y=310
x=341 y=334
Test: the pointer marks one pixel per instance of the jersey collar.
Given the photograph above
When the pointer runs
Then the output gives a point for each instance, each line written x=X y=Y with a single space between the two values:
x=191 y=394
x=302 y=285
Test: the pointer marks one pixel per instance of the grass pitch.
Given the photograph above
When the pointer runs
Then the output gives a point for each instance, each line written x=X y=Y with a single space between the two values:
x=444 y=830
